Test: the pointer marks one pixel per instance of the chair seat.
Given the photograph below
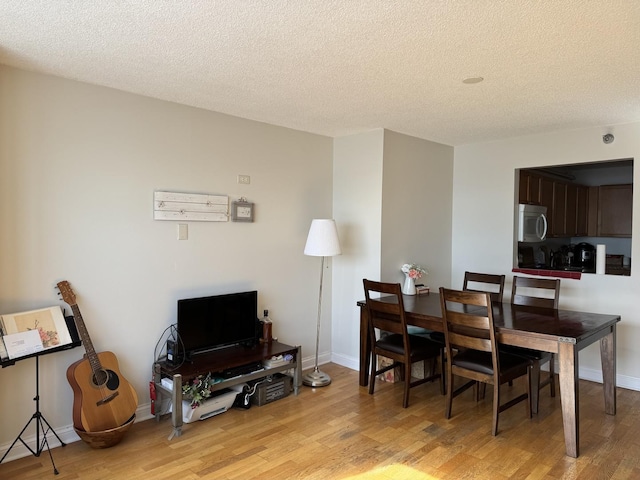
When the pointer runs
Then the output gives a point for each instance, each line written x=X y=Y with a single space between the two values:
x=420 y=346
x=437 y=337
x=481 y=361
x=526 y=352
x=413 y=330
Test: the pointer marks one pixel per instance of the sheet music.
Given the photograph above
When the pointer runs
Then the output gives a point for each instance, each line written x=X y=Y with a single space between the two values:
x=33 y=331
x=23 y=343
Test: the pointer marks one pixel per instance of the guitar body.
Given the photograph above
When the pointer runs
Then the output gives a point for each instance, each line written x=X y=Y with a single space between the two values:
x=102 y=400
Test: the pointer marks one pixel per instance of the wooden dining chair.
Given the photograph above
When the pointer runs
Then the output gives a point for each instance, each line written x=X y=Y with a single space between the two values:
x=386 y=314
x=542 y=293
x=536 y=292
x=485 y=282
x=479 y=282
x=469 y=331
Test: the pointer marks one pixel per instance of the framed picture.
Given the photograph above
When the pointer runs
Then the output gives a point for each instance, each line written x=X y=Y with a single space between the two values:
x=242 y=211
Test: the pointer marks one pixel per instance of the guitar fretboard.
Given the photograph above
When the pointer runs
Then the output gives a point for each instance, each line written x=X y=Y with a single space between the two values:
x=86 y=340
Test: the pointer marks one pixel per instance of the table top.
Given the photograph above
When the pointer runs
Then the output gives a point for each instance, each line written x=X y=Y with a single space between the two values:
x=542 y=322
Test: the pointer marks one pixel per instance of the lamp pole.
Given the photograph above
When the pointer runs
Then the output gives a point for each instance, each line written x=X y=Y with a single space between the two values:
x=322 y=241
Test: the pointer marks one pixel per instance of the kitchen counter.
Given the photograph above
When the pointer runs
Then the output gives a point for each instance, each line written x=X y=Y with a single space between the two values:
x=542 y=272
x=575 y=275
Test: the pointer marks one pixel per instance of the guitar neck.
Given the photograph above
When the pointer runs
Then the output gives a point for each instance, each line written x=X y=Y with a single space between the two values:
x=86 y=340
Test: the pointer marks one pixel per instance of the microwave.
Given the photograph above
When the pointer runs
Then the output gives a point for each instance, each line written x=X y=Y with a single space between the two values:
x=532 y=223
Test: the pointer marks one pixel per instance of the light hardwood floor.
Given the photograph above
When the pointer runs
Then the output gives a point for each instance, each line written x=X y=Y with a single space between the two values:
x=341 y=432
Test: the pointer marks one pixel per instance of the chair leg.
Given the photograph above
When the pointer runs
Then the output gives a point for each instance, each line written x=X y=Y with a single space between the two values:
x=496 y=407
x=552 y=375
x=372 y=376
x=442 y=372
x=449 y=400
x=407 y=384
x=480 y=389
x=529 y=407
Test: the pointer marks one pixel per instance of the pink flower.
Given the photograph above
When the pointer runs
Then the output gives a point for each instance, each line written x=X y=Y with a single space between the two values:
x=413 y=271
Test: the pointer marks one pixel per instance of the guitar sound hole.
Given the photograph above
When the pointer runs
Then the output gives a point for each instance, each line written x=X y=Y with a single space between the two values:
x=106 y=377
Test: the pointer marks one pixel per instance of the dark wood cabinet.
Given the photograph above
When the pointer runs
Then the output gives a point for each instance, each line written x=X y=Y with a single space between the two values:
x=615 y=210
x=571 y=211
x=529 y=188
x=546 y=196
x=567 y=203
x=582 y=210
x=559 y=209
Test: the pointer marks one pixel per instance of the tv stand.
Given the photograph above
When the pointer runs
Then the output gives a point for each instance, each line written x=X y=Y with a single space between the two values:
x=219 y=361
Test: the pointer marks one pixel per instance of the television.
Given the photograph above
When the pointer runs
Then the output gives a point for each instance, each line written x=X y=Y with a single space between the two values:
x=209 y=323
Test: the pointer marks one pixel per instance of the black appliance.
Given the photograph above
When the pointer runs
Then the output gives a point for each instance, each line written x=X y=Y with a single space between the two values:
x=584 y=255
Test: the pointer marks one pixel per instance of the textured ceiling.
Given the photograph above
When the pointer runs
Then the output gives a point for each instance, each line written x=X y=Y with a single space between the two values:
x=338 y=67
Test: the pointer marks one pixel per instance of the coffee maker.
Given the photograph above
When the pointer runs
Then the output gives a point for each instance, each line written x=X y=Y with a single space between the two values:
x=584 y=255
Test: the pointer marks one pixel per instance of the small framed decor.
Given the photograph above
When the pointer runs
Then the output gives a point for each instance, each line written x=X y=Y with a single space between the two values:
x=242 y=211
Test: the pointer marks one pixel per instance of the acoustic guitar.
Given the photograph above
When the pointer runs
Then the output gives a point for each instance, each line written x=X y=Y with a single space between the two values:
x=102 y=397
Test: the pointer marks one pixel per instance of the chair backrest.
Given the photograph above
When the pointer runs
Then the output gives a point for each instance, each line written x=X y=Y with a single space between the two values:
x=468 y=322
x=485 y=282
x=386 y=312
x=536 y=292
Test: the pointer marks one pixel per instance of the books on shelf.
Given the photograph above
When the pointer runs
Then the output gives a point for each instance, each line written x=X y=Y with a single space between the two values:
x=26 y=333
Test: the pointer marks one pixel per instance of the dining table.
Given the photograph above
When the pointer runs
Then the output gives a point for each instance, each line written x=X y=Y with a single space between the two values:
x=559 y=331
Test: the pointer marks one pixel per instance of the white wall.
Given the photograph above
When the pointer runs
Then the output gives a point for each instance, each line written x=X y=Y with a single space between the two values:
x=483 y=223
x=78 y=168
x=357 y=197
x=392 y=196
x=416 y=208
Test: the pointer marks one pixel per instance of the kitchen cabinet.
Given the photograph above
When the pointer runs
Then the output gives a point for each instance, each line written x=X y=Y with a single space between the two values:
x=571 y=211
x=558 y=219
x=529 y=191
x=546 y=197
x=567 y=203
x=582 y=210
x=535 y=189
x=615 y=210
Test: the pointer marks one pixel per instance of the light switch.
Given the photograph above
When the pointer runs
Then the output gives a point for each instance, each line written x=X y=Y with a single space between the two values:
x=183 y=231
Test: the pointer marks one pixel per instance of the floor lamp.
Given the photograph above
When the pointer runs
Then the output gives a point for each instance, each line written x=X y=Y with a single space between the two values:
x=322 y=241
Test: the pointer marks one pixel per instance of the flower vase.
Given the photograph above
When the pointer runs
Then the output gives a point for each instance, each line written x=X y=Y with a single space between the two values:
x=409 y=287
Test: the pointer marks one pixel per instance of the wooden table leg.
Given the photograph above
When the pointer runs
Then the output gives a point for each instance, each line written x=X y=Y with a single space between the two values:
x=365 y=347
x=569 y=393
x=535 y=391
x=608 y=359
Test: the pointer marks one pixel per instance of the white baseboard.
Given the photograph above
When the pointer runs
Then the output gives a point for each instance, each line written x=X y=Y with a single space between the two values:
x=590 y=374
x=68 y=435
x=309 y=362
x=346 y=361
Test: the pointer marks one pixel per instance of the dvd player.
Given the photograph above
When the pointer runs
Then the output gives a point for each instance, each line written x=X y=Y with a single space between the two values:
x=242 y=370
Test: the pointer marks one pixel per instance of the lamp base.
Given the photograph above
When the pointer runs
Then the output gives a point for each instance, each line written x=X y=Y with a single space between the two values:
x=316 y=379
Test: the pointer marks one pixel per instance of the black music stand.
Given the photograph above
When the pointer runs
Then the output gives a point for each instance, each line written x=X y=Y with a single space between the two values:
x=40 y=421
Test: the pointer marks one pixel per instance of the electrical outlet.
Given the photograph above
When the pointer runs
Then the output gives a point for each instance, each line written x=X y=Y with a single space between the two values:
x=244 y=179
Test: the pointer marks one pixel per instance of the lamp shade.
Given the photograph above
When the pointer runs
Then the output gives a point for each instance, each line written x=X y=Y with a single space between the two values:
x=322 y=240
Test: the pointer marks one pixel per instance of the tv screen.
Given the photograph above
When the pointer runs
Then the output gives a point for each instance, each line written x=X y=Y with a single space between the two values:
x=208 y=323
